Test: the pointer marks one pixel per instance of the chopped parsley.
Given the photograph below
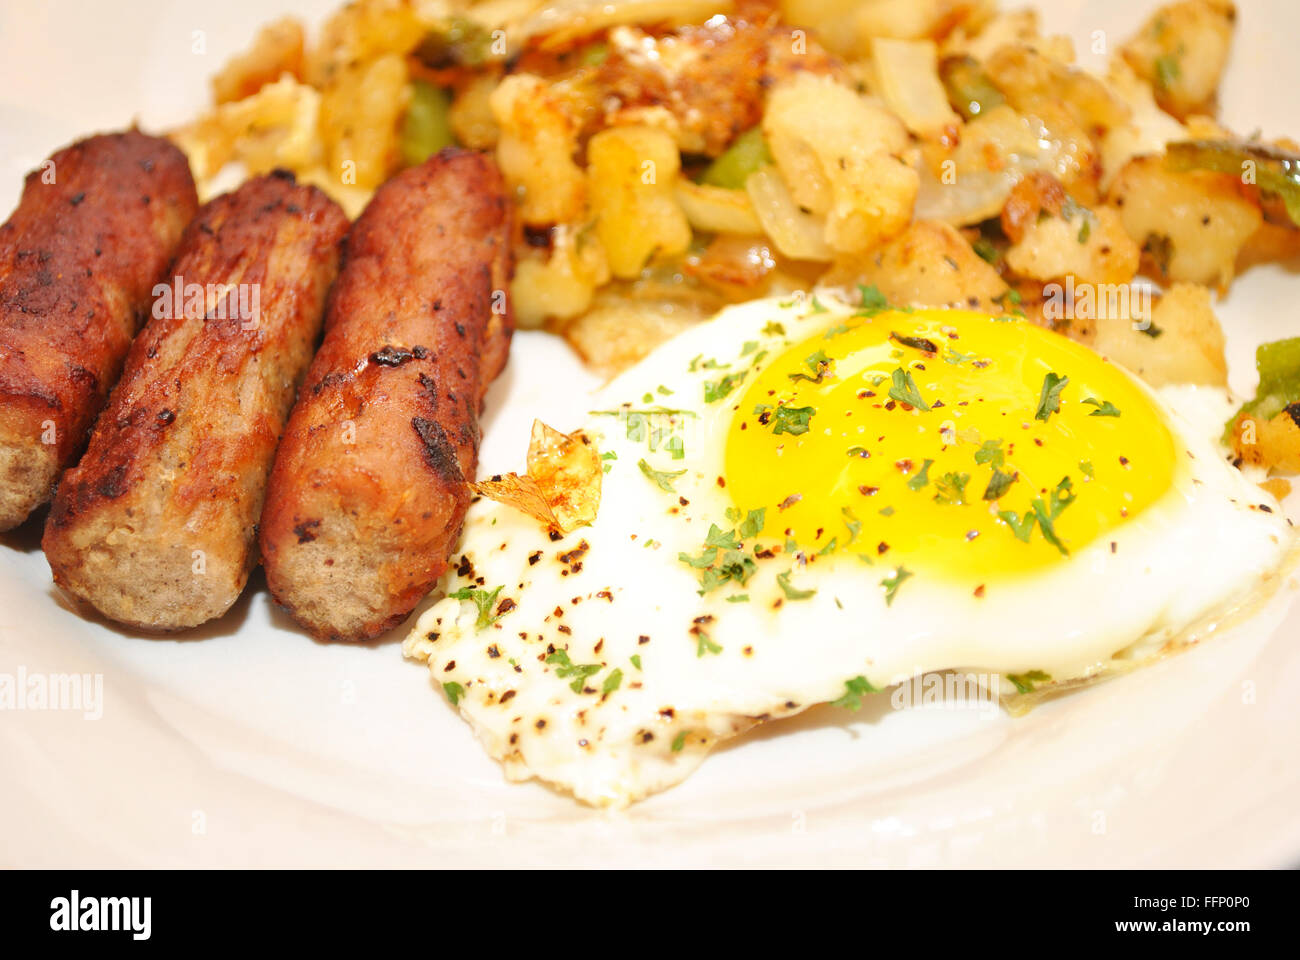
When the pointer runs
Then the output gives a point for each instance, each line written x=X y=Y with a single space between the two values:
x=612 y=682
x=1086 y=467
x=721 y=560
x=454 y=692
x=663 y=479
x=999 y=484
x=791 y=592
x=818 y=366
x=679 y=741
x=791 y=420
x=904 y=390
x=873 y=301
x=922 y=476
x=1061 y=497
x=1049 y=400
x=854 y=690
x=773 y=329
x=483 y=599
x=853 y=523
x=565 y=668
x=1025 y=681
x=705 y=644
x=1104 y=407
x=951 y=488
x=1022 y=528
x=715 y=390
x=636 y=660
x=990 y=451
x=891 y=584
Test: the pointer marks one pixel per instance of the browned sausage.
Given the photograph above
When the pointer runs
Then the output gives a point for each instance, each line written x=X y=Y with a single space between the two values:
x=368 y=491
x=95 y=229
x=155 y=527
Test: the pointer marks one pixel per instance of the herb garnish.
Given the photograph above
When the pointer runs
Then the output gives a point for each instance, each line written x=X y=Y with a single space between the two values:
x=891 y=584
x=791 y=592
x=1104 y=407
x=663 y=479
x=1025 y=681
x=1049 y=400
x=904 y=390
x=484 y=600
x=567 y=668
x=854 y=690
x=922 y=476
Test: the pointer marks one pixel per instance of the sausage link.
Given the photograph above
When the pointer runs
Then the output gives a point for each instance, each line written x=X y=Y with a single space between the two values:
x=368 y=491
x=155 y=527
x=95 y=229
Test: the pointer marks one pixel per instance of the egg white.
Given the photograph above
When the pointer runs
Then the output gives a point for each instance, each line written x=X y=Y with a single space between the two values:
x=1204 y=547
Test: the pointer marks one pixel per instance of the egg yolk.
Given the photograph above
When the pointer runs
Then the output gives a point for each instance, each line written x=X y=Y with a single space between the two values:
x=945 y=441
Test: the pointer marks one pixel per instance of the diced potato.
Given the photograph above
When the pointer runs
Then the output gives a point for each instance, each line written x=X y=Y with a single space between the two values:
x=1146 y=131
x=718 y=210
x=631 y=176
x=839 y=154
x=1273 y=443
x=360 y=117
x=909 y=19
x=560 y=22
x=1181 y=343
x=834 y=20
x=276 y=50
x=562 y=286
x=471 y=113
x=998 y=148
x=931 y=265
x=907 y=79
x=797 y=234
x=619 y=330
x=351 y=198
x=1181 y=51
x=1029 y=80
x=535 y=151
x=275 y=127
x=1089 y=245
x=1194 y=223
x=980 y=37
x=359 y=32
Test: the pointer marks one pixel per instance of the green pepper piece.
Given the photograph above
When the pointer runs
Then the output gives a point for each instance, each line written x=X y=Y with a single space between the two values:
x=970 y=91
x=426 y=129
x=746 y=154
x=1278 y=364
x=1276 y=171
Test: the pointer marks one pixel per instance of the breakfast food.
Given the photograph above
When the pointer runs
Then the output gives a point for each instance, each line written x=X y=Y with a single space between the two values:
x=155 y=526
x=94 y=230
x=370 y=483
x=808 y=502
x=668 y=158
x=914 y=327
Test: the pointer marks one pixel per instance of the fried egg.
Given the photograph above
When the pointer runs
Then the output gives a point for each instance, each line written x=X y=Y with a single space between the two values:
x=807 y=502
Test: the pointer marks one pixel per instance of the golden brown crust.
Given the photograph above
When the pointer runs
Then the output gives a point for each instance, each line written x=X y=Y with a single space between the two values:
x=95 y=228
x=155 y=526
x=368 y=491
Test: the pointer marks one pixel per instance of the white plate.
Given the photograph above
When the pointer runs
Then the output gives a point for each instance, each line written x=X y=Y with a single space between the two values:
x=246 y=743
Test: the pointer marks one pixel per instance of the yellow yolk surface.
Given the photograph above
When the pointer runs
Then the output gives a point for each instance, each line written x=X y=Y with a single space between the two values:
x=946 y=442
